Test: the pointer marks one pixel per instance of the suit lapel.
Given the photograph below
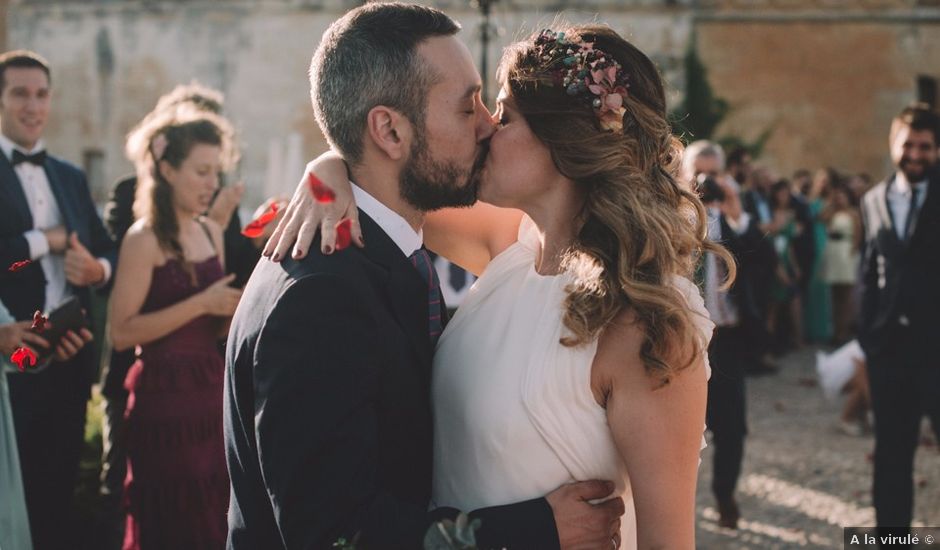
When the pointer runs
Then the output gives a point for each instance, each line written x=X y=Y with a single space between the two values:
x=12 y=190
x=60 y=193
x=406 y=289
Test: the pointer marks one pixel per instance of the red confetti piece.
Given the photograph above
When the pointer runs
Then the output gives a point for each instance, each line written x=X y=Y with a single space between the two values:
x=16 y=266
x=343 y=234
x=256 y=227
x=21 y=356
x=39 y=322
x=322 y=193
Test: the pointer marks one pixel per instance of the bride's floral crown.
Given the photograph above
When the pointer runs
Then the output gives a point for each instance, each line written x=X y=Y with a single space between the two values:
x=586 y=73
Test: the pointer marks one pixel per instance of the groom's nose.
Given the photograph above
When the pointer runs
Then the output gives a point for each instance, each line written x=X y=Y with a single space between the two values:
x=485 y=127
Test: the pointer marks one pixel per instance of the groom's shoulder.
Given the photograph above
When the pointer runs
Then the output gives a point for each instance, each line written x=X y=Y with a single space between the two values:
x=270 y=281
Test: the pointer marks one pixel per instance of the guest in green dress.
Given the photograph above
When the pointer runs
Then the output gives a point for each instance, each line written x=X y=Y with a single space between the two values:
x=14 y=522
x=818 y=307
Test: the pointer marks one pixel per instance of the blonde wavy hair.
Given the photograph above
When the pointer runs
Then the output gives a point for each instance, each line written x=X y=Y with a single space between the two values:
x=641 y=226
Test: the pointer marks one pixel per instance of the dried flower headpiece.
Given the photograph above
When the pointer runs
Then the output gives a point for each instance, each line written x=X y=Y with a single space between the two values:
x=585 y=73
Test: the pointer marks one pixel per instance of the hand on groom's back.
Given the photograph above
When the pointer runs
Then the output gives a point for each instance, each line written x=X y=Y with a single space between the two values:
x=583 y=525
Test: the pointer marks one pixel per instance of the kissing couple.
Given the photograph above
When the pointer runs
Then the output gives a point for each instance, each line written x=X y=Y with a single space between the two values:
x=563 y=405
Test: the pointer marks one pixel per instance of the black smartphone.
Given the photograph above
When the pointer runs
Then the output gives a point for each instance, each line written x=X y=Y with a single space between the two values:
x=67 y=316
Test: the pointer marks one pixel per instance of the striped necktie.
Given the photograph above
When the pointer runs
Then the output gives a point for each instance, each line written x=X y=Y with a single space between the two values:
x=422 y=262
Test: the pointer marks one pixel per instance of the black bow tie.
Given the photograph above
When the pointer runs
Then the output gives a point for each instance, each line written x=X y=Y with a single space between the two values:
x=36 y=158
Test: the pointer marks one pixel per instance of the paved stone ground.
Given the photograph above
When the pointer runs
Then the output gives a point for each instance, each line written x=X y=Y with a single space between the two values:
x=802 y=481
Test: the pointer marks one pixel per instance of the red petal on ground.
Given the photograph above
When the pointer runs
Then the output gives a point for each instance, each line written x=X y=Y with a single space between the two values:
x=39 y=322
x=808 y=382
x=16 y=266
x=343 y=234
x=320 y=192
x=780 y=406
x=256 y=227
x=21 y=356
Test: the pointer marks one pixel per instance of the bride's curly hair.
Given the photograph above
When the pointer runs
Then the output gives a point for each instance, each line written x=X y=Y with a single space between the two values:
x=641 y=226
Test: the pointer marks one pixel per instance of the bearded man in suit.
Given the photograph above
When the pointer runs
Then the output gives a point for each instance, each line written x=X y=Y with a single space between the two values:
x=899 y=329
x=328 y=363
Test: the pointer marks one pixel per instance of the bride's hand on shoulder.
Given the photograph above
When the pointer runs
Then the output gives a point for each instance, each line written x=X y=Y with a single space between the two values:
x=323 y=199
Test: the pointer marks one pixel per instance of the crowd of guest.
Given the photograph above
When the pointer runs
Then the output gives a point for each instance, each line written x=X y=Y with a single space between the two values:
x=183 y=257
x=813 y=227
x=827 y=258
x=796 y=242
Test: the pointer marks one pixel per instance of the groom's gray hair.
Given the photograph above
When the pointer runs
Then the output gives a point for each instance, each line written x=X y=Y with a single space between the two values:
x=367 y=58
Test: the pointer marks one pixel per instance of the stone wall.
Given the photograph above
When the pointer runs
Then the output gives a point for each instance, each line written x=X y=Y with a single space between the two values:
x=826 y=75
x=827 y=82
x=112 y=60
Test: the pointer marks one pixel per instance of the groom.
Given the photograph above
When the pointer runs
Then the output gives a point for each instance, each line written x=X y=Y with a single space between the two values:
x=327 y=406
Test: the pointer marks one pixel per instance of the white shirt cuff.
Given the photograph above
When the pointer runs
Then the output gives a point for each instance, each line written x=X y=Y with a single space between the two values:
x=741 y=224
x=106 y=266
x=38 y=244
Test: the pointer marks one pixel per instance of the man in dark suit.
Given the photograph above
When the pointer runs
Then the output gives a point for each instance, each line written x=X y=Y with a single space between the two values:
x=47 y=216
x=735 y=316
x=327 y=406
x=899 y=328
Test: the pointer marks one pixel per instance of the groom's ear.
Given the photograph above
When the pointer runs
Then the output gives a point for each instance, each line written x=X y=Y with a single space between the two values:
x=389 y=131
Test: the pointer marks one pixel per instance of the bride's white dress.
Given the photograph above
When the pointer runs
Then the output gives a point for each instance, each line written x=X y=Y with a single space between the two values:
x=514 y=415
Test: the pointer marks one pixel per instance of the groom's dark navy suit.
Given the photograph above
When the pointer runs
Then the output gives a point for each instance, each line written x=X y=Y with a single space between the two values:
x=327 y=408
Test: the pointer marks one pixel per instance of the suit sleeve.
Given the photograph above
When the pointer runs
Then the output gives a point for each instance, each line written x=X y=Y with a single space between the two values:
x=529 y=524
x=316 y=422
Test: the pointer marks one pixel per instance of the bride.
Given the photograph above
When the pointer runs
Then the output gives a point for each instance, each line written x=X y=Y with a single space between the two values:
x=580 y=351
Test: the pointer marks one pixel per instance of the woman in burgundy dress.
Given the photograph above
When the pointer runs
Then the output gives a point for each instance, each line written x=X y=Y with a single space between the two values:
x=171 y=299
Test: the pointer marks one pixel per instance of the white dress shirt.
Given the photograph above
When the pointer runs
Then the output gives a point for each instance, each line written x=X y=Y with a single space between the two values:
x=395 y=226
x=899 y=200
x=46 y=214
x=721 y=309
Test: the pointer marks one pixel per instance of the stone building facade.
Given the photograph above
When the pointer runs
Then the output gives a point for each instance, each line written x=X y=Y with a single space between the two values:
x=825 y=75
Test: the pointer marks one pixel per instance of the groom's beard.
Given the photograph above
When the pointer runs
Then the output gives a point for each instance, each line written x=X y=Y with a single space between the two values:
x=428 y=184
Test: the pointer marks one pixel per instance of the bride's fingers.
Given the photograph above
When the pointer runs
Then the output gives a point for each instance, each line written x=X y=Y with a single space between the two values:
x=328 y=234
x=308 y=230
x=275 y=237
x=288 y=234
